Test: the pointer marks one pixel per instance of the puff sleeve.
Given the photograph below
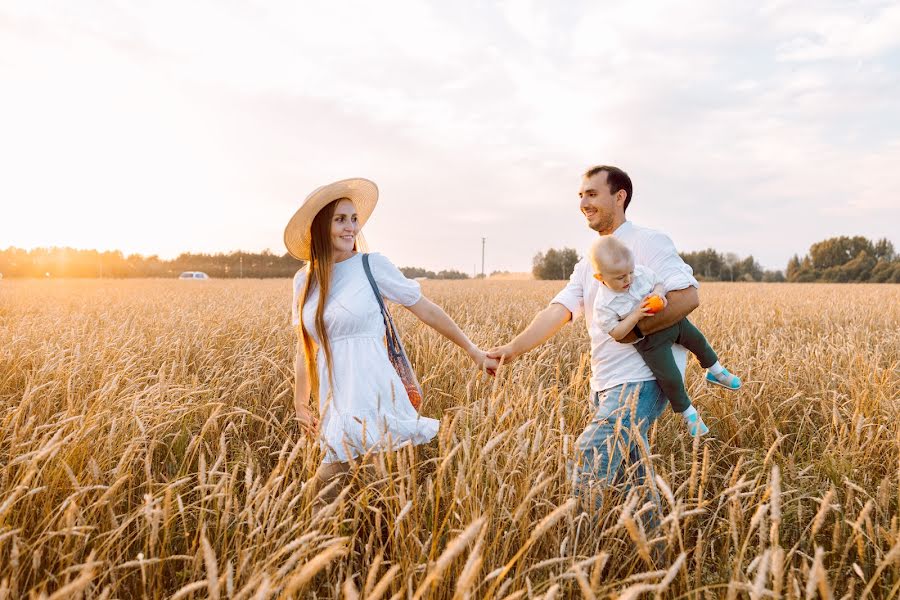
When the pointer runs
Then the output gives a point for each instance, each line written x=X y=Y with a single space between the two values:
x=393 y=284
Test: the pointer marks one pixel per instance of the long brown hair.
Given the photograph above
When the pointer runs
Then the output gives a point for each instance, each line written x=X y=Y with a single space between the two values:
x=318 y=274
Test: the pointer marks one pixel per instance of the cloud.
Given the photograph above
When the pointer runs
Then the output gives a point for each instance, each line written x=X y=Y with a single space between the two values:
x=737 y=122
x=839 y=31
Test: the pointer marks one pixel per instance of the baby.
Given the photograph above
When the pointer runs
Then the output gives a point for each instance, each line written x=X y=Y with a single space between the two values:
x=624 y=299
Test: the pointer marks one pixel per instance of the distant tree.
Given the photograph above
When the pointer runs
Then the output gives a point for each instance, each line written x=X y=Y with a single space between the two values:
x=884 y=272
x=452 y=274
x=856 y=270
x=846 y=259
x=793 y=268
x=806 y=273
x=860 y=268
x=731 y=261
x=413 y=272
x=707 y=264
x=554 y=264
x=773 y=276
x=884 y=250
x=750 y=270
x=838 y=251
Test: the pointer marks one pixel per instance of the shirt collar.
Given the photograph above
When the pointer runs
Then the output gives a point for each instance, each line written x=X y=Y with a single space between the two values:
x=623 y=228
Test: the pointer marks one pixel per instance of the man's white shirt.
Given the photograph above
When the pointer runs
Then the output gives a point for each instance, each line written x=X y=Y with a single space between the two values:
x=614 y=363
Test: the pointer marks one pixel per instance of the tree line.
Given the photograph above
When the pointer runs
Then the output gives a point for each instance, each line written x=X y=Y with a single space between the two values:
x=708 y=265
x=840 y=259
x=847 y=259
x=70 y=262
x=414 y=272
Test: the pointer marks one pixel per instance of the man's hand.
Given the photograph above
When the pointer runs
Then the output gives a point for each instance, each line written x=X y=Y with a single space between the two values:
x=491 y=365
x=504 y=354
x=484 y=362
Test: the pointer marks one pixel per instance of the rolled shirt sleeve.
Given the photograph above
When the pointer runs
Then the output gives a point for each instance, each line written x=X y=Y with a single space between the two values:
x=670 y=268
x=394 y=285
x=572 y=296
x=605 y=318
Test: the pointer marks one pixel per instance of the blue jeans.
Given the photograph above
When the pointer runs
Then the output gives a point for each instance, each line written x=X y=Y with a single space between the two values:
x=613 y=448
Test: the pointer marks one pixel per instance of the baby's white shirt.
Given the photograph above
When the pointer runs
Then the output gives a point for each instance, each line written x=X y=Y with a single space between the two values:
x=611 y=307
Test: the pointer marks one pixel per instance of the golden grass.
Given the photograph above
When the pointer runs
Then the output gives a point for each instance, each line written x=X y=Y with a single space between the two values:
x=148 y=450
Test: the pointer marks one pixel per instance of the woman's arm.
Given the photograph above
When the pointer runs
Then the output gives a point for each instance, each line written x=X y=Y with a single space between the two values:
x=434 y=316
x=302 y=391
x=544 y=326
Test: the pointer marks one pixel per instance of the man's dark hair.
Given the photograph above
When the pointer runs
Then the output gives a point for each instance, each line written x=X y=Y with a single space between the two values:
x=616 y=178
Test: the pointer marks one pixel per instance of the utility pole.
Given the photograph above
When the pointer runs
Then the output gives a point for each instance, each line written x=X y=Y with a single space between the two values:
x=241 y=260
x=482 y=256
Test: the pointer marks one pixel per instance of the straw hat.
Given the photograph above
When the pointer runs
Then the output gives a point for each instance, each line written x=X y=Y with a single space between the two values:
x=362 y=192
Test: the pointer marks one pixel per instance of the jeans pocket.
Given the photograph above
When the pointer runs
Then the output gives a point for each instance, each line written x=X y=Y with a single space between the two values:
x=603 y=420
x=608 y=406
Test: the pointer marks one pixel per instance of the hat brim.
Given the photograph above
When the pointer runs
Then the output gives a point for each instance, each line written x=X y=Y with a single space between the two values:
x=362 y=192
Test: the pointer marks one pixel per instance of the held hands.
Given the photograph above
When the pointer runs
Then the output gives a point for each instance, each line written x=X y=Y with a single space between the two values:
x=484 y=361
x=504 y=354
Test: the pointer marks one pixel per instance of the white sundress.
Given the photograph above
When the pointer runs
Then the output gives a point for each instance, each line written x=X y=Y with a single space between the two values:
x=368 y=409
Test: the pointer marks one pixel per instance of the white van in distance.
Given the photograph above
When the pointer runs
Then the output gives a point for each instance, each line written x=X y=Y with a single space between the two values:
x=193 y=275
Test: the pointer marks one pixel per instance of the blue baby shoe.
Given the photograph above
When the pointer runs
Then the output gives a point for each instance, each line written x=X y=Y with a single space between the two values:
x=725 y=379
x=696 y=425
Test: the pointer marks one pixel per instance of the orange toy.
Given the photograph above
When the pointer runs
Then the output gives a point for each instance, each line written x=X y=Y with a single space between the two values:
x=654 y=303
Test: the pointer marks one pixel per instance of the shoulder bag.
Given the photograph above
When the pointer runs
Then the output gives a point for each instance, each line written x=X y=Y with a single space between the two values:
x=396 y=353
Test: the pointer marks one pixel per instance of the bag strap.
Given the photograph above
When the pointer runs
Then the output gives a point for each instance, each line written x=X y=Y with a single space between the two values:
x=389 y=329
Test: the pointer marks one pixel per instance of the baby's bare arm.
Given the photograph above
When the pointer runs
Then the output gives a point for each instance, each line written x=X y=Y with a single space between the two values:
x=627 y=324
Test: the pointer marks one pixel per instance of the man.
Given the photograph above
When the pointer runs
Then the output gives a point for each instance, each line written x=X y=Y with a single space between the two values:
x=625 y=396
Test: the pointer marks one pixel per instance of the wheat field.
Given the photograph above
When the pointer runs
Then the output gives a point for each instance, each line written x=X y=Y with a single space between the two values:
x=148 y=450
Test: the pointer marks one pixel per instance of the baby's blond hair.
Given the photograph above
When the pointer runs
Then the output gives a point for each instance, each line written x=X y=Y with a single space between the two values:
x=608 y=252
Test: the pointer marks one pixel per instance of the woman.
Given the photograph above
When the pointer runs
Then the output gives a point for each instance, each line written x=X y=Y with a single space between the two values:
x=363 y=405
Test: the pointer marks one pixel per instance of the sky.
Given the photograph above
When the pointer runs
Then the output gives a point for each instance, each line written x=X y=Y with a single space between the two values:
x=163 y=127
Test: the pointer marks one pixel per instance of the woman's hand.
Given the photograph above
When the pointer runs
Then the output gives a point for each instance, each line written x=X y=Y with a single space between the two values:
x=504 y=353
x=307 y=420
x=305 y=417
x=483 y=361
